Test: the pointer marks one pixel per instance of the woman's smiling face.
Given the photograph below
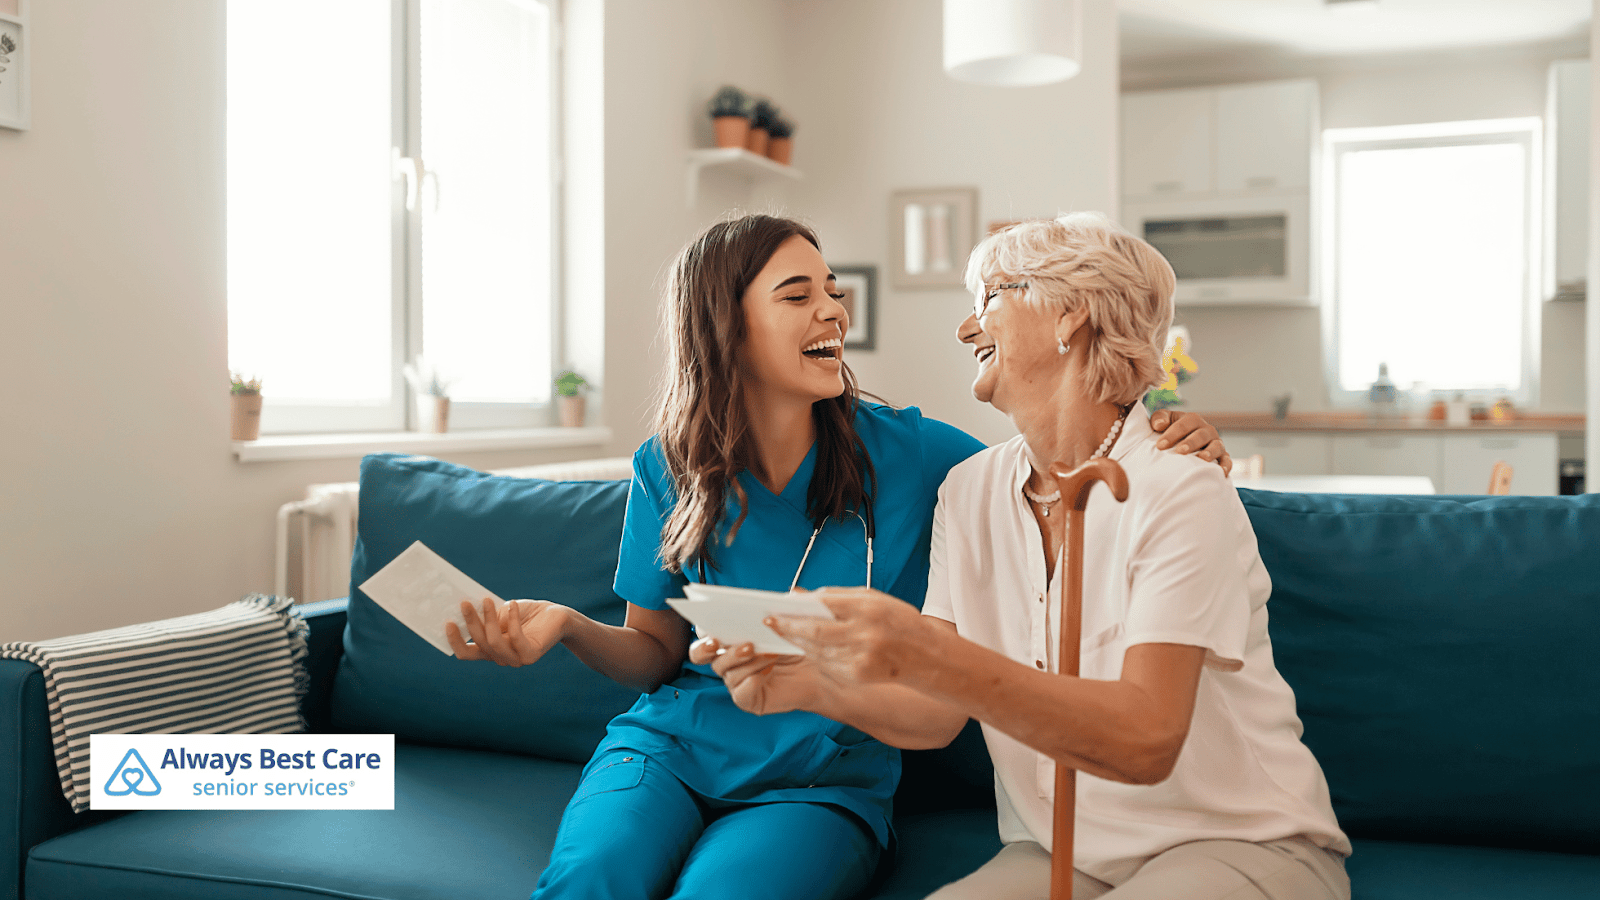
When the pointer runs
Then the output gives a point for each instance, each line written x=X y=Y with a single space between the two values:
x=1013 y=342
x=794 y=326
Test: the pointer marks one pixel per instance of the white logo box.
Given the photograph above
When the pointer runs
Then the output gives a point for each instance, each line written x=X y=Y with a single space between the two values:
x=241 y=771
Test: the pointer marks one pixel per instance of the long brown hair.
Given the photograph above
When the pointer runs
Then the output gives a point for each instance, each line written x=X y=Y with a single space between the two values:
x=704 y=430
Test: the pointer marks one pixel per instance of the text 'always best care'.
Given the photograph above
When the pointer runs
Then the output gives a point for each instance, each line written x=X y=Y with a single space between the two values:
x=332 y=758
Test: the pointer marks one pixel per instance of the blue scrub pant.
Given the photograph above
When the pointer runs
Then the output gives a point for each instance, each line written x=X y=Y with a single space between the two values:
x=633 y=831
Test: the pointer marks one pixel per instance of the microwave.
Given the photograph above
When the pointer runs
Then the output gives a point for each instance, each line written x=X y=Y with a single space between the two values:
x=1231 y=250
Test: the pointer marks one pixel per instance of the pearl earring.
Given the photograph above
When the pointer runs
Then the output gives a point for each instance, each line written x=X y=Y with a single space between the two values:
x=1061 y=347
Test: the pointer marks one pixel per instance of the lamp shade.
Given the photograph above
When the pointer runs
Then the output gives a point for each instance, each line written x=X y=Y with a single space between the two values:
x=1012 y=43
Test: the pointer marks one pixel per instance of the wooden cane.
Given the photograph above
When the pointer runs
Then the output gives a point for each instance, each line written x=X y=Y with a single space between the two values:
x=1074 y=486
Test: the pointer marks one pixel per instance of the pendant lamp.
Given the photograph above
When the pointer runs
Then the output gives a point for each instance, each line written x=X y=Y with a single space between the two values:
x=1012 y=43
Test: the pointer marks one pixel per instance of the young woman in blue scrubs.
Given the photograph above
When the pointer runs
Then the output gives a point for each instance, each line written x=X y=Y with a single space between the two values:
x=768 y=472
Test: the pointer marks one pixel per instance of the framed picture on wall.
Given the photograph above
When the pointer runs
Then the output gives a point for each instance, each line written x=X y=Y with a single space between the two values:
x=14 y=53
x=859 y=285
x=931 y=233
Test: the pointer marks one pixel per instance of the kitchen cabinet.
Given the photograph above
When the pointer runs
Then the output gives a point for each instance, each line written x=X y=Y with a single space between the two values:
x=1265 y=135
x=1282 y=453
x=1567 y=180
x=1218 y=180
x=1467 y=458
x=1167 y=142
x=1204 y=142
x=1389 y=454
x=1457 y=461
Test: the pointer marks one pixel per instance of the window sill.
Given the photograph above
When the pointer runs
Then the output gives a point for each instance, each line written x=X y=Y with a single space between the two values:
x=338 y=446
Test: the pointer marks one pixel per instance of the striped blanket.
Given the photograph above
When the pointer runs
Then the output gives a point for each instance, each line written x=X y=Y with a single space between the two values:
x=235 y=670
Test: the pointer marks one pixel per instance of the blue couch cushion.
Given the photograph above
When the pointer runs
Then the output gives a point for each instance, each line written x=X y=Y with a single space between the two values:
x=520 y=538
x=1443 y=653
x=933 y=849
x=464 y=824
x=1389 y=870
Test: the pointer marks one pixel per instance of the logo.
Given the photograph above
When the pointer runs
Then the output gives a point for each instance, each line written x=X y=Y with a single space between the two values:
x=241 y=771
x=132 y=774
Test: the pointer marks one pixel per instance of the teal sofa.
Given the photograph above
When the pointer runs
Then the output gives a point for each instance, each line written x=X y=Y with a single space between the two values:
x=1445 y=653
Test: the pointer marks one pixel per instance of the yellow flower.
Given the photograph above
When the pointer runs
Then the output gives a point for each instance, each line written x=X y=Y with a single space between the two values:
x=1182 y=359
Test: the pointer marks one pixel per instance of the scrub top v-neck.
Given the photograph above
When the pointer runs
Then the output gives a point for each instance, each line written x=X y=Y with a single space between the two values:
x=691 y=725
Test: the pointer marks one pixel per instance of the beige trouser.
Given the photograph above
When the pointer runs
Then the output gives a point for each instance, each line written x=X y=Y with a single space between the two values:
x=1290 y=869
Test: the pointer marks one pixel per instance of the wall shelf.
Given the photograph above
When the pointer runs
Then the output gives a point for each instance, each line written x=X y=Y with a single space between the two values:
x=735 y=161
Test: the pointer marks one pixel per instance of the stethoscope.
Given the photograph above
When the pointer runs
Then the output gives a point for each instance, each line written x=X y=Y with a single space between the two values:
x=866 y=527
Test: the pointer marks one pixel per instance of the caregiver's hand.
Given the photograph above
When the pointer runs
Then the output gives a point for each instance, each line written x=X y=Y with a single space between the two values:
x=761 y=683
x=1189 y=433
x=873 y=637
x=519 y=634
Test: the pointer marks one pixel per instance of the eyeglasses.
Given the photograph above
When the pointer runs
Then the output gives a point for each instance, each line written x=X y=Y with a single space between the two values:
x=990 y=291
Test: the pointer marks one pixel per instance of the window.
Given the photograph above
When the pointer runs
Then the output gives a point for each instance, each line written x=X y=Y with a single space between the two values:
x=391 y=192
x=1431 y=263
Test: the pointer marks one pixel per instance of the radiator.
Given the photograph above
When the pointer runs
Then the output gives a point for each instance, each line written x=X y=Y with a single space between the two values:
x=316 y=536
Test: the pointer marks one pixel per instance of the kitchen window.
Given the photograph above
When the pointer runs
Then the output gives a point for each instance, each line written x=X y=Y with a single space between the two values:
x=1430 y=258
x=392 y=192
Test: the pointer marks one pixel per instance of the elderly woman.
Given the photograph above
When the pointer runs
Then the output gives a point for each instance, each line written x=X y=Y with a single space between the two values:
x=1195 y=783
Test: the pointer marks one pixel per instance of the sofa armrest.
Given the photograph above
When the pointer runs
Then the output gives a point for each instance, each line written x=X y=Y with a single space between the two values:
x=32 y=806
x=325 y=645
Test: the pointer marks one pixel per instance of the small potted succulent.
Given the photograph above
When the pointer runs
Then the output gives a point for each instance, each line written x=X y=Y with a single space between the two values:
x=762 y=115
x=780 y=140
x=245 y=415
x=431 y=391
x=570 y=390
x=730 y=116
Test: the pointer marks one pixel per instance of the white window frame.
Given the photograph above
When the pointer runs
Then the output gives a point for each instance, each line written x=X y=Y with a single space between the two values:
x=1525 y=132
x=400 y=413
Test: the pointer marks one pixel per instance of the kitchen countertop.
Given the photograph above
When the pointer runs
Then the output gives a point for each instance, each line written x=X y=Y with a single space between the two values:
x=1525 y=423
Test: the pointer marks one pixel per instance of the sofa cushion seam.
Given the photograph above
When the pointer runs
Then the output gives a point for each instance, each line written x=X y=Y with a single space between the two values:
x=198 y=876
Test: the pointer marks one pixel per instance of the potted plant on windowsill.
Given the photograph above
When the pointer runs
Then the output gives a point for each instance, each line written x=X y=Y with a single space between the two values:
x=431 y=391
x=570 y=390
x=730 y=116
x=245 y=411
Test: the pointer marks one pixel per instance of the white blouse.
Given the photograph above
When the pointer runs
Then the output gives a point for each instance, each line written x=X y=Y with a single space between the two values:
x=1175 y=564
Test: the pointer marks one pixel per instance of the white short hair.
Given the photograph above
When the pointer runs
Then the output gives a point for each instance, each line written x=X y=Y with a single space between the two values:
x=1087 y=258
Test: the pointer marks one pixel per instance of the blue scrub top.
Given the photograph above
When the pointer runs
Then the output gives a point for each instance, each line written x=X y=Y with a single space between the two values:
x=691 y=725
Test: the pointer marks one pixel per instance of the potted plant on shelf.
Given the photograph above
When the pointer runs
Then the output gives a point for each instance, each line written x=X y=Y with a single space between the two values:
x=762 y=115
x=780 y=140
x=245 y=415
x=431 y=391
x=570 y=388
x=730 y=116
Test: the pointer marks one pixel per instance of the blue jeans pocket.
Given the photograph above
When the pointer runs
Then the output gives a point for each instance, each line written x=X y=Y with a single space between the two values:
x=616 y=770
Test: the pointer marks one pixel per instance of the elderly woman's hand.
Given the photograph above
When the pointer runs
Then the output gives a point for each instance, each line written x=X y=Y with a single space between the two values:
x=760 y=683
x=1190 y=434
x=873 y=637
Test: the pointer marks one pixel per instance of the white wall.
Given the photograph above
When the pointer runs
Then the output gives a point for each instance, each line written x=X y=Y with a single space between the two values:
x=1592 y=321
x=1249 y=355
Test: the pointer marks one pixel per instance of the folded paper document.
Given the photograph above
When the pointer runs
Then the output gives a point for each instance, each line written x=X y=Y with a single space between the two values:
x=733 y=615
x=423 y=591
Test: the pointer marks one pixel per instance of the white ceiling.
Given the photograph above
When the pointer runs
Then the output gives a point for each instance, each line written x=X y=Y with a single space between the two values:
x=1169 y=29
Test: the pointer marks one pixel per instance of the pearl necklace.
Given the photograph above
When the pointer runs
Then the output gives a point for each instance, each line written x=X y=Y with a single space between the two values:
x=1046 y=500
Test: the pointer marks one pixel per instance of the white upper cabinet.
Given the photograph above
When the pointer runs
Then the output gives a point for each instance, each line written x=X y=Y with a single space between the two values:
x=1167 y=143
x=1218 y=141
x=1567 y=180
x=1264 y=135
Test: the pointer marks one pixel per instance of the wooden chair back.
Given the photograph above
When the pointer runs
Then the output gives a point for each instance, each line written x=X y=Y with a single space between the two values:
x=1500 y=479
